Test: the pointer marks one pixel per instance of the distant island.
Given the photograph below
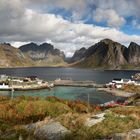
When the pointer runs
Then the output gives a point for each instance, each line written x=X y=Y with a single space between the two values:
x=106 y=54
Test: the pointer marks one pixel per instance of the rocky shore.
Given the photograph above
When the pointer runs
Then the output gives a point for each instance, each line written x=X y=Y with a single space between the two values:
x=117 y=92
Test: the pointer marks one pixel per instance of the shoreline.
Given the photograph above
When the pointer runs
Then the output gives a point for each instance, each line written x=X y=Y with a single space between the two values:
x=116 y=92
x=62 y=66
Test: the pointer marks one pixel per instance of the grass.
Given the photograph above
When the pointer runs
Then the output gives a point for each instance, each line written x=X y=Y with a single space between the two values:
x=112 y=124
x=72 y=114
x=131 y=88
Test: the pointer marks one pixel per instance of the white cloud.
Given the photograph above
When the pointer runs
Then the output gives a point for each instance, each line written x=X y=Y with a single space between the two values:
x=20 y=24
x=18 y=43
x=136 y=24
x=110 y=16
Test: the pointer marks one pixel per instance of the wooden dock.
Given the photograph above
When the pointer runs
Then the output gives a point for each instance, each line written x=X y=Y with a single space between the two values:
x=77 y=83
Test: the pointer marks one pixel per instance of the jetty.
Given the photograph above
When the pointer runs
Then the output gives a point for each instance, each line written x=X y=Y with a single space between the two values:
x=60 y=82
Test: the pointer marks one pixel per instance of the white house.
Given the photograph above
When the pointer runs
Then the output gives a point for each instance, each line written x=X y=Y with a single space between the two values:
x=4 y=86
x=123 y=81
x=119 y=82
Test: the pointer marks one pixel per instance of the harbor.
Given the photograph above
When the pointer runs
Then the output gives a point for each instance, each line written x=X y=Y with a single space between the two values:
x=22 y=83
x=34 y=83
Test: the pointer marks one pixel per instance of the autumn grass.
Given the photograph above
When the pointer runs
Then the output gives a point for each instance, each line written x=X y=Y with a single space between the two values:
x=114 y=123
x=131 y=88
x=24 y=110
x=72 y=114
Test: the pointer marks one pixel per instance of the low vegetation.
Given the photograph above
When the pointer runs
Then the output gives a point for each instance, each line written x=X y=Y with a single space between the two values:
x=131 y=88
x=16 y=113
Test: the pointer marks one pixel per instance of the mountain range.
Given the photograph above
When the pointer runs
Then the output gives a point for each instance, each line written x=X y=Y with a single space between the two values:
x=44 y=54
x=106 y=54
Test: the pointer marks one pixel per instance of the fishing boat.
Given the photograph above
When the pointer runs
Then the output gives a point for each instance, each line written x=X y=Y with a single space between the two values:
x=136 y=76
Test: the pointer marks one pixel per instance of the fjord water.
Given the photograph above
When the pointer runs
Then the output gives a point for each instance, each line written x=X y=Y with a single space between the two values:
x=49 y=73
x=72 y=93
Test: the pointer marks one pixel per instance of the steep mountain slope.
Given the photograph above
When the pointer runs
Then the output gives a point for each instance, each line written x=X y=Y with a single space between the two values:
x=78 y=55
x=13 y=57
x=134 y=54
x=44 y=54
x=108 y=54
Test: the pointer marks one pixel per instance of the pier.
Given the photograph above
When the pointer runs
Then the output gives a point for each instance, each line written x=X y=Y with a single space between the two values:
x=60 y=82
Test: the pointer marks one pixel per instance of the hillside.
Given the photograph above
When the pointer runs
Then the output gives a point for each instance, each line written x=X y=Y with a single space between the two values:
x=13 y=57
x=108 y=54
x=35 y=118
x=44 y=54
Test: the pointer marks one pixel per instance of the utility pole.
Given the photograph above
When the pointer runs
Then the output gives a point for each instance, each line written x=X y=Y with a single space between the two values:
x=88 y=102
x=12 y=95
x=12 y=91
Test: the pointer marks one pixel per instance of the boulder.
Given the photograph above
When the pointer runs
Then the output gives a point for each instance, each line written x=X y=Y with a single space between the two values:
x=51 y=131
x=120 y=136
x=132 y=135
x=94 y=119
x=136 y=132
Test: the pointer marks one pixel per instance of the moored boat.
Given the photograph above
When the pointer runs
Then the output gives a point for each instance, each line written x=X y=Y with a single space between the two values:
x=136 y=76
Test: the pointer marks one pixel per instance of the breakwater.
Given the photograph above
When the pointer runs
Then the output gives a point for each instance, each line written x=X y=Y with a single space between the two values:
x=77 y=83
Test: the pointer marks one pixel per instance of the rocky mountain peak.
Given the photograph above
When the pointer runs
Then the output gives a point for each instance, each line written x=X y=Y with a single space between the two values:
x=134 y=53
x=105 y=54
x=79 y=54
x=106 y=40
x=43 y=54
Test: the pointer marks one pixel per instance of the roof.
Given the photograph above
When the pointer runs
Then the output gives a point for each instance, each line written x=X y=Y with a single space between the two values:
x=126 y=80
x=117 y=79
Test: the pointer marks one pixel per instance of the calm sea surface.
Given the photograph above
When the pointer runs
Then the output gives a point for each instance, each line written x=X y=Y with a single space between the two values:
x=72 y=93
x=74 y=73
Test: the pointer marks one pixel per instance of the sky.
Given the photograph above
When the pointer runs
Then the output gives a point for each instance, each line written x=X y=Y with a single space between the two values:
x=69 y=24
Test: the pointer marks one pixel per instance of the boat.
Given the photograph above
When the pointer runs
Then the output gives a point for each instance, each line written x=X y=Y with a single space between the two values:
x=136 y=76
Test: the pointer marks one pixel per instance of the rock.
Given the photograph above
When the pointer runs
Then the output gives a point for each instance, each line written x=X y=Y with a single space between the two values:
x=132 y=135
x=136 y=132
x=78 y=55
x=120 y=136
x=94 y=119
x=51 y=131
x=133 y=53
x=31 y=127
